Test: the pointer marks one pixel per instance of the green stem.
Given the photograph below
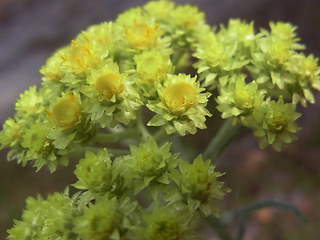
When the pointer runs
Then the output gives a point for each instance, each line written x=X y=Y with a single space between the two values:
x=80 y=151
x=160 y=135
x=118 y=152
x=241 y=227
x=114 y=137
x=141 y=126
x=221 y=140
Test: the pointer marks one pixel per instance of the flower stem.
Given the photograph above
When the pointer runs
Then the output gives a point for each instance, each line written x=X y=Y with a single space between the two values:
x=142 y=127
x=114 y=137
x=79 y=150
x=118 y=152
x=160 y=136
x=221 y=140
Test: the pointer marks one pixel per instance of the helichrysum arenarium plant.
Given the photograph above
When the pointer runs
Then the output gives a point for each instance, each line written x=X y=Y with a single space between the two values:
x=90 y=104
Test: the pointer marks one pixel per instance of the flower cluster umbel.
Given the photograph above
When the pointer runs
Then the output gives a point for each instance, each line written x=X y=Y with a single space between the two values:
x=174 y=198
x=119 y=89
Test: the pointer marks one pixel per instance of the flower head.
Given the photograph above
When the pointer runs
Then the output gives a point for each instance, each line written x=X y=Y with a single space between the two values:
x=100 y=221
x=94 y=172
x=142 y=36
x=30 y=102
x=66 y=112
x=275 y=123
x=150 y=163
x=181 y=107
x=152 y=67
x=165 y=223
x=239 y=99
x=199 y=185
x=46 y=219
x=109 y=97
x=52 y=71
x=161 y=10
x=107 y=82
x=187 y=17
x=11 y=134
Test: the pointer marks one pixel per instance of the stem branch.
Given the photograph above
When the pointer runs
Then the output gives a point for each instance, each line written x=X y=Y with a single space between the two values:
x=221 y=140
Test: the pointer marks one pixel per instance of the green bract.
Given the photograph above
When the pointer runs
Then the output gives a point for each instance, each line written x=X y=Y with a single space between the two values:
x=112 y=97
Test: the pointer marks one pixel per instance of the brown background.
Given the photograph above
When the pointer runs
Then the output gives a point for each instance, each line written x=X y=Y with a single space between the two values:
x=30 y=30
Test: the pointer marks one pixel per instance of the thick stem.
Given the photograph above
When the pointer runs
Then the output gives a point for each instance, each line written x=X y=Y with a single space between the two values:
x=160 y=136
x=221 y=140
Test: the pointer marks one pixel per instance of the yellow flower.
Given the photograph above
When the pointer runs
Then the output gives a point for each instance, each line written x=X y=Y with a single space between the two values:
x=179 y=97
x=160 y=9
x=107 y=81
x=66 y=112
x=180 y=94
x=181 y=107
x=142 y=36
x=108 y=85
x=52 y=71
x=153 y=66
x=187 y=17
x=82 y=55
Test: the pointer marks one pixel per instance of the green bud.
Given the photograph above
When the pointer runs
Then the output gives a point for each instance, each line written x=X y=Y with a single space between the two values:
x=239 y=99
x=46 y=219
x=275 y=123
x=94 y=172
x=100 y=221
x=149 y=163
x=199 y=185
x=11 y=133
x=166 y=223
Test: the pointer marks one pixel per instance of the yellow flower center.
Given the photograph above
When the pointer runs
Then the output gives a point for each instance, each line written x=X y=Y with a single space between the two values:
x=66 y=112
x=108 y=85
x=80 y=55
x=179 y=97
x=141 y=36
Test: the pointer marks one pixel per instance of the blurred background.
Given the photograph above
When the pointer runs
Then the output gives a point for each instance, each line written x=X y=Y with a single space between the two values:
x=30 y=30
